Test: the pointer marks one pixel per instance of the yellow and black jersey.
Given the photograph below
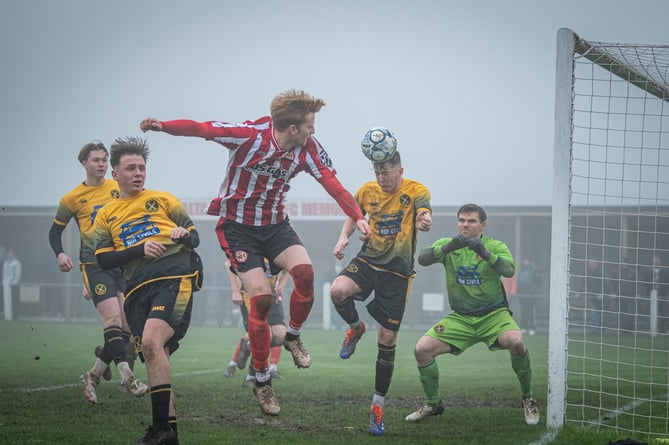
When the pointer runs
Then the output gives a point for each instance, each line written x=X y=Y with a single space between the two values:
x=83 y=203
x=150 y=215
x=392 y=221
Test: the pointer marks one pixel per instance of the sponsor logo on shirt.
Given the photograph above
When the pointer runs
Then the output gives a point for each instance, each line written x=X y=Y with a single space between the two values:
x=390 y=224
x=468 y=276
x=269 y=170
x=137 y=230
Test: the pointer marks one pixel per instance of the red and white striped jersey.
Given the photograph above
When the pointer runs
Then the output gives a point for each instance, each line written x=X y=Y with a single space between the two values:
x=258 y=173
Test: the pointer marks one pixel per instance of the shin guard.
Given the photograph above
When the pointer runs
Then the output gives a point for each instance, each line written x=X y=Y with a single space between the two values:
x=302 y=298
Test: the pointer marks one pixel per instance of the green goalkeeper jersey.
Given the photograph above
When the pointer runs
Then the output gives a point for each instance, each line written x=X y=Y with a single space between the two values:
x=473 y=286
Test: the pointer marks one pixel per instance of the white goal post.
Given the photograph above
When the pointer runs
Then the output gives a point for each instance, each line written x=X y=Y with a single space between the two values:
x=609 y=287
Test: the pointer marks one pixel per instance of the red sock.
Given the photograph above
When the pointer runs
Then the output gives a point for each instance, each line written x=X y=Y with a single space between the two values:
x=235 y=355
x=302 y=297
x=274 y=355
x=259 y=331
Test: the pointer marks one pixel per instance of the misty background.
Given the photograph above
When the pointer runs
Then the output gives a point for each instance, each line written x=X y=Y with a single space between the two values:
x=467 y=87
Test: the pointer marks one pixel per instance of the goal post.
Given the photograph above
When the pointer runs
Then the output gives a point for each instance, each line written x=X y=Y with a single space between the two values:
x=608 y=352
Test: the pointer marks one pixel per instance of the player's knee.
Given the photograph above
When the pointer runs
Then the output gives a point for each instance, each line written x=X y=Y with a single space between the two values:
x=420 y=354
x=151 y=349
x=341 y=289
x=512 y=341
x=303 y=280
x=337 y=294
x=517 y=349
x=424 y=352
x=260 y=305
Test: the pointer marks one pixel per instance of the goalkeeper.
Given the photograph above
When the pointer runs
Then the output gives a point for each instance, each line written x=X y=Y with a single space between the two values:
x=474 y=266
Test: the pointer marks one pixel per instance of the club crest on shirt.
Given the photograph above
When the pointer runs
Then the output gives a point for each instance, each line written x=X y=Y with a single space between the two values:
x=115 y=194
x=151 y=205
x=405 y=200
x=241 y=256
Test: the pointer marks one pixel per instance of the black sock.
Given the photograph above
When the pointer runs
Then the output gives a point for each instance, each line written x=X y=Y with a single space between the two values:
x=160 y=406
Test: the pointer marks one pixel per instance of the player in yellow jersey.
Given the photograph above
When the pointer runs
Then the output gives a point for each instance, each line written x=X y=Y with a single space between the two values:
x=150 y=235
x=104 y=287
x=396 y=209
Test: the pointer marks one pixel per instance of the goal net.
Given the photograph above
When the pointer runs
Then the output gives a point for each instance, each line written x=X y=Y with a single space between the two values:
x=609 y=308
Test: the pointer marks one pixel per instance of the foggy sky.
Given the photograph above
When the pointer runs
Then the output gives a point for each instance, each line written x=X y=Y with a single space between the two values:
x=467 y=87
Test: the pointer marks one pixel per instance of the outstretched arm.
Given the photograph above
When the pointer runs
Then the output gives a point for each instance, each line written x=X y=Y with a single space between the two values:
x=180 y=127
x=347 y=204
x=150 y=123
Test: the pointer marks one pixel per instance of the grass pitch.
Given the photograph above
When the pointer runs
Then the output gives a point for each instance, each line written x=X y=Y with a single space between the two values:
x=42 y=401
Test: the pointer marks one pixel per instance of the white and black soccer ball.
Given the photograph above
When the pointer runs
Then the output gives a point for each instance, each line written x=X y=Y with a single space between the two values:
x=378 y=144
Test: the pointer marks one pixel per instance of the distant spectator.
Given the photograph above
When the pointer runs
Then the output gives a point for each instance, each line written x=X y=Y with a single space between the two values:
x=527 y=287
x=3 y=254
x=660 y=283
x=594 y=293
x=623 y=290
x=11 y=279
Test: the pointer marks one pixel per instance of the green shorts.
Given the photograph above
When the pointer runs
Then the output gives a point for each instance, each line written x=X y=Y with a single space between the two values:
x=463 y=331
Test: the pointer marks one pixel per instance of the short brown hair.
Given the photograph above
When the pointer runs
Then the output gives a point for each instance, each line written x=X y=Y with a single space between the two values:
x=291 y=108
x=128 y=146
x=88 y=148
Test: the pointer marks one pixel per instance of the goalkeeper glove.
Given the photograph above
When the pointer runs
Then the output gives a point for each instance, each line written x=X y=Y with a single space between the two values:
x=456 y=243
x=477 y=246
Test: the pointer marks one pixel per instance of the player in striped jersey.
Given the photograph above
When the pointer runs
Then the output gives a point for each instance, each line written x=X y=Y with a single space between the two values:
x=265 y=155
x=104 y=287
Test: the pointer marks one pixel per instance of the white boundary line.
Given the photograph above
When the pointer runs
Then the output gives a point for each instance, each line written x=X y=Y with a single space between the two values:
x=71 y=385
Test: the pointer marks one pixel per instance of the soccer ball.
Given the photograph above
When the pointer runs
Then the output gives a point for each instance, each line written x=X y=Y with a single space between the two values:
x=378 y=144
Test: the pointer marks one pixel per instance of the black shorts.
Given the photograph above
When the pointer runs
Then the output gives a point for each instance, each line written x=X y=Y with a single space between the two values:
x=102 y=284
x=391 y=291
x=248 y=246
x=170 y=300
x=276 y=314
